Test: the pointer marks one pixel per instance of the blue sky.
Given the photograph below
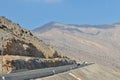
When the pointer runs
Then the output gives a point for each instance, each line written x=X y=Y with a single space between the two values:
x=34 y=13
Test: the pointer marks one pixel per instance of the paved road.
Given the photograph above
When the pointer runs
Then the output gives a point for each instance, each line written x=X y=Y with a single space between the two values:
x=26 y=75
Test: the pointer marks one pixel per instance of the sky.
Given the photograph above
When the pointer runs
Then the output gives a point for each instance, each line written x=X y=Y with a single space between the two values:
x=35 y=13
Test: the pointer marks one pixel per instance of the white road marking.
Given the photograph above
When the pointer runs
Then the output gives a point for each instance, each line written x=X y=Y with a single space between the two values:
x=74 y=76
x=53 y=71
x=38 y=79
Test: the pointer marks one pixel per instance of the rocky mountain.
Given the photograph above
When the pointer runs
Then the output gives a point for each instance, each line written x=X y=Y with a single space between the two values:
x=22 y=50
x=94 y=43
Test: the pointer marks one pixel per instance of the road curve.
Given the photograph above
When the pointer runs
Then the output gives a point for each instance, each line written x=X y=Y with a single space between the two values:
x=38 y=73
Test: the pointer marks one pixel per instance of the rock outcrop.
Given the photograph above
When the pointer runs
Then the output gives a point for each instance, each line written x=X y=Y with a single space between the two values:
x=22 y=50
x=12 y=31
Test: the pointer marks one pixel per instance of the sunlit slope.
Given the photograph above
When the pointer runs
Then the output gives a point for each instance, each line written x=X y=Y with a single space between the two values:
x=99 y=44
x=91 y=72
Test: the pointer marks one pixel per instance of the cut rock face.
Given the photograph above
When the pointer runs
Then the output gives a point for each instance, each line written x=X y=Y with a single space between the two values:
x=17 y=47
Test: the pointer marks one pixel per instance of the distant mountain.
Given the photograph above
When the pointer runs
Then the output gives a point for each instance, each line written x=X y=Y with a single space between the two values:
x=51 y=25
x=99 y=44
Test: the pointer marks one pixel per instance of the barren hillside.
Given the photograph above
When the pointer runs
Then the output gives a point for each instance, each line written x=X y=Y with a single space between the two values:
x=93 y=43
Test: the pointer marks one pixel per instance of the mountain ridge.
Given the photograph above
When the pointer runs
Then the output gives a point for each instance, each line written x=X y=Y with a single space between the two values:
x=54 y=24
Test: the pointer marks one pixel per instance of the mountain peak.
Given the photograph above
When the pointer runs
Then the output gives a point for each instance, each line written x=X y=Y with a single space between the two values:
x=49 y=26
x=54 y=24
x=4 y=20
x=2 y=17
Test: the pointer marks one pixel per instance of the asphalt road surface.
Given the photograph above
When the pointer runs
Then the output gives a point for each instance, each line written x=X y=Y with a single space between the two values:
x=26 y=75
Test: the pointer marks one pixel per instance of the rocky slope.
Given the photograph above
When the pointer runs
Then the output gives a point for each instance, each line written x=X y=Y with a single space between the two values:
x=22 y=50
x=94 y=43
